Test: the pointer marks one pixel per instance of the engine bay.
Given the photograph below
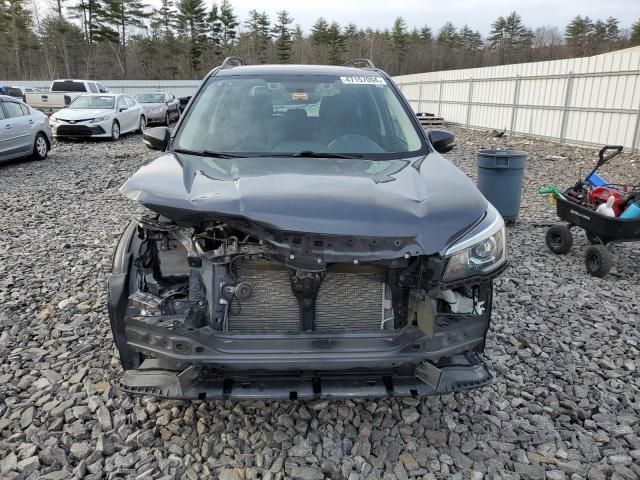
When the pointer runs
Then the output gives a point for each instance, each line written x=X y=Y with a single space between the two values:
x=226 y=278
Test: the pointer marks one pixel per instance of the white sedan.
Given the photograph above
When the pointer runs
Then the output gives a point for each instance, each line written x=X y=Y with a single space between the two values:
x=101 y=116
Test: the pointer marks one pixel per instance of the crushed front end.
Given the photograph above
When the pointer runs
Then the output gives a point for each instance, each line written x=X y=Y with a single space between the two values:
x=232 y=309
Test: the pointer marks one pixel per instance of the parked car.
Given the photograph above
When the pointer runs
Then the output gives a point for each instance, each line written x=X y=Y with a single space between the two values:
x=23 y=130
x=100 y=116
x=184 y=101
x=159 y=106
x=303 y=238
x=17 y=92
x=61 y=94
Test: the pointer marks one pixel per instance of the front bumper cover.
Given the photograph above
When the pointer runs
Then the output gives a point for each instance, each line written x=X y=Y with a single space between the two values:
x=100 y=129
x=464 y=371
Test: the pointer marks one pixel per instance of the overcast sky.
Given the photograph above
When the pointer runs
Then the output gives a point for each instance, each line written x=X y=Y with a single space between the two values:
x=477 y=13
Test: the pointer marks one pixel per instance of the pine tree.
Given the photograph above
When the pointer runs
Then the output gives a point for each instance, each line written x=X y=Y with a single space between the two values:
x=122 y=16
x=469 y=40
x=167 y=13
x=283 y=34
x=448 y=36
x=228 y=22
x=319 y=35
x=579 y=34
x=215 y=27
x=14 y=31
x=192 y=24
x=510 y=37
x=613 y=30
x=335 y=42
x=426 y=34
x=350 y=31
x=399 y=38
x=634 y=35
x=259 y=34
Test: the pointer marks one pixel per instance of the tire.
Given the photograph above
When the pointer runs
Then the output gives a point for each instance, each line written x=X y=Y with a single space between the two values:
x=592 y=238
x=115 y=131
x=598 y=260
x=559 y=239
x=40 y=147
x=142 y=125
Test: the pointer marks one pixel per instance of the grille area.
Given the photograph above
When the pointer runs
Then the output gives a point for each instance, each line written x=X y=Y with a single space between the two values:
x=347 y=301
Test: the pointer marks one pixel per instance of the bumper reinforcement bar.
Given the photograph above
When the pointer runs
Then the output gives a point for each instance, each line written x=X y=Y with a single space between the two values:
x=194 y=383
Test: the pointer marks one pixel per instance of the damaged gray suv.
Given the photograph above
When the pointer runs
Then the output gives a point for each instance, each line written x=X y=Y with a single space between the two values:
x=302 y=237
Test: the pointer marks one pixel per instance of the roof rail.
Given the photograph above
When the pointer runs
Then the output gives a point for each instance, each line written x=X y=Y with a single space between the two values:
x=231 y=62
x=359 y=63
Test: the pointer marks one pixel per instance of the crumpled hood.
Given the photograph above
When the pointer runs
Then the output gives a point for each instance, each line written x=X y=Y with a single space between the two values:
x=82 y=114
x=424 y=198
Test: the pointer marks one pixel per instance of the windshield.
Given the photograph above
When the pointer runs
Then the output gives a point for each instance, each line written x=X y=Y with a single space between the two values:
x=84 y=102
x=288 y=114
x=150 y=98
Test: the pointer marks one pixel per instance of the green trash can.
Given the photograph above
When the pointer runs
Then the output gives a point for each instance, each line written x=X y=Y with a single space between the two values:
x=500 y=177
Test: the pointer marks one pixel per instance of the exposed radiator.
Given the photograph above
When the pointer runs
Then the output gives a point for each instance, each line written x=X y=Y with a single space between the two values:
x=347 y=301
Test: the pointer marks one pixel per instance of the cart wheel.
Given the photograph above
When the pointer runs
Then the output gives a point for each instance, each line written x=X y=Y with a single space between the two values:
x=593 y=238
x=598 y=260
x=559 y=239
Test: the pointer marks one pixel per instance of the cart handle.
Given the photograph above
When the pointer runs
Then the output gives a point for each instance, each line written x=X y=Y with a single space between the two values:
x=605 y=158
x=602 y=158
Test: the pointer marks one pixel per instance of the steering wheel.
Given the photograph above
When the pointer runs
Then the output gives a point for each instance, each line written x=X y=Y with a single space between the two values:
x=354 y=143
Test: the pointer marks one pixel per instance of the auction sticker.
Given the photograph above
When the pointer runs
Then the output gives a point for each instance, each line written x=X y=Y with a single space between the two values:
x=365 y=80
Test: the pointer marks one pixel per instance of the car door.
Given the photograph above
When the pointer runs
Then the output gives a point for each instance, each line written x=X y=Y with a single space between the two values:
x=172 y=105
x=136 y=111
x=123 y=115
x=4 y=133
x=16 y=128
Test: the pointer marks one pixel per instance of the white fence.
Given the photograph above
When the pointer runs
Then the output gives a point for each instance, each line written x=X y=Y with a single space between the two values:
x=592 y=101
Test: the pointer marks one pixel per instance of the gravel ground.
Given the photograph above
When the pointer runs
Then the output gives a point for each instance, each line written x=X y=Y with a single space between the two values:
x=564 y=348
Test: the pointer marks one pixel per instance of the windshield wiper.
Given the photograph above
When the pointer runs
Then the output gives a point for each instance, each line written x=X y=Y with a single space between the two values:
x=208 y=153
x=311 y=154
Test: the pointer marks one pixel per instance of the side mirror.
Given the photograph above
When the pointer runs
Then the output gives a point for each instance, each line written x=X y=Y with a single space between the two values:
x=122 y=109
x=442 y=140
x=156 y=138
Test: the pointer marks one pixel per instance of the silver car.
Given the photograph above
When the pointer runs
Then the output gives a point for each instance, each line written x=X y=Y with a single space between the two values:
x=23 y=131
x=106 y=115
x=159 y=107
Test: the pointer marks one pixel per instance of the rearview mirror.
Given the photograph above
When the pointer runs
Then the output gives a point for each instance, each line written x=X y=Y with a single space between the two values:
x=156 y=138
x=442 y=140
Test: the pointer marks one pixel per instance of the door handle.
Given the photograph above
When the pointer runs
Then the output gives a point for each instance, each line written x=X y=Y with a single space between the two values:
x=31 y=122
x=8 y=127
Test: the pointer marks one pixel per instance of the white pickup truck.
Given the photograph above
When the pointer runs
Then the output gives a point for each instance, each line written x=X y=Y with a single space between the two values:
x=61 y=94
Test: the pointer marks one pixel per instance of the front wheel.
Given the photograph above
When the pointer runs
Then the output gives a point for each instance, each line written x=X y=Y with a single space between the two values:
x=40 y=147
x=559 y=239
x=598 y=260
x=115 y=131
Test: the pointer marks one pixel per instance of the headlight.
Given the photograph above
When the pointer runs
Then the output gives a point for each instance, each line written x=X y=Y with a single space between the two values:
x=53 y=120
x=98 y=119
x=479 y=254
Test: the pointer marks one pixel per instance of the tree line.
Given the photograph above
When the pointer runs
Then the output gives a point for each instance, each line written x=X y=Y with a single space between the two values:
x=183 y=39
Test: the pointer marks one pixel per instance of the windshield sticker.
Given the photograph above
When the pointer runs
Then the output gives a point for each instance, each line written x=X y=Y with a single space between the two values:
x=300 y=96
x=369 y=80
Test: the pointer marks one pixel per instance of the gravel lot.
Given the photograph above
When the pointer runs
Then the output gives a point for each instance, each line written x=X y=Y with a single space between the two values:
x=564 y=348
